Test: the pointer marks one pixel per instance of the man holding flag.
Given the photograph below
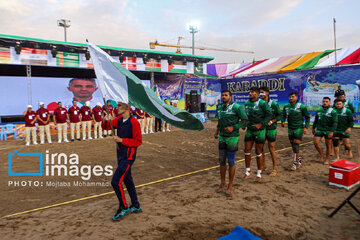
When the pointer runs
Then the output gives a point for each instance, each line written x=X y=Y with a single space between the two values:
x=128 y=137
x=119 y=84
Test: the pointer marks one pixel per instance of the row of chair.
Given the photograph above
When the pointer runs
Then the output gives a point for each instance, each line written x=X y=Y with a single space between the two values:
x=7 y=129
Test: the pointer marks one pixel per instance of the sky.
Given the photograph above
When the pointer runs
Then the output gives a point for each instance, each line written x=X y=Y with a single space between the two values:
x=269 y=28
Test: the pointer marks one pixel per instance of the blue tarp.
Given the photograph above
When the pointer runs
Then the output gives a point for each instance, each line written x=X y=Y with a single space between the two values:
x=240 y=233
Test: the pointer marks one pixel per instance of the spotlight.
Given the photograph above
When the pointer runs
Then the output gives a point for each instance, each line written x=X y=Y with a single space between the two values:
x=87 y=55
x=170 y=60
x=54 y=52
x=17 y=48
x=121 y=57
x=134 y=55
x=145 y=59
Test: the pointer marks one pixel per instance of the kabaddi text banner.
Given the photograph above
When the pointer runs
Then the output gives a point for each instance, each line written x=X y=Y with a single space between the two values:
x=312 y=85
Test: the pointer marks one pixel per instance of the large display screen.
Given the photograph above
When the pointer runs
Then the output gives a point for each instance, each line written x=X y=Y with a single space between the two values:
x=17 y=92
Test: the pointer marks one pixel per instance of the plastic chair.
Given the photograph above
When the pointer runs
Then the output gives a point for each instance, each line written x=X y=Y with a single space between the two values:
x=2 y=130
x=9 y=129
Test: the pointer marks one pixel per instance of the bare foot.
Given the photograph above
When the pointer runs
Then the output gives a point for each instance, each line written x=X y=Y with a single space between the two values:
x=350 y=155
x=221 y=189
x=326 y=162
x=273 y=173
x=247 y=176
x=264 y=168
x=293 y=168
x=229 y=195
x=258 y=179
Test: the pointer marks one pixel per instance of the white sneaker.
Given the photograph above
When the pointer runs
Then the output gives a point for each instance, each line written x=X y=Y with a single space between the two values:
x=27 y=144
x=164 y=130
x=168 y=130
x=84 y=139
x=42 y=142
x=50 y=142
x=151 y=132
x=35 y=143
x=59 y=141
x=90 y=138
x=101 y=137
x=143 y=133
x=66 y=140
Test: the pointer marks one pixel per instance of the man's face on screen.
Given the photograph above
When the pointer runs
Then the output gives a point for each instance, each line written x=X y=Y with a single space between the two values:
x=82 y=89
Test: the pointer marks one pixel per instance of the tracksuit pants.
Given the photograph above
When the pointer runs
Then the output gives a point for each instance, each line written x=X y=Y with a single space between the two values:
x=123 y=174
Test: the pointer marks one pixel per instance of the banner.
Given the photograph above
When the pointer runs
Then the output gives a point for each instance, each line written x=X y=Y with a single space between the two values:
x=171 y=87
x=209 y=90
x=5 y=55
x=311 y=85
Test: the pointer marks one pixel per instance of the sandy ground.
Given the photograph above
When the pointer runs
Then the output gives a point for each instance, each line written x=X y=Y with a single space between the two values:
x=293 y=205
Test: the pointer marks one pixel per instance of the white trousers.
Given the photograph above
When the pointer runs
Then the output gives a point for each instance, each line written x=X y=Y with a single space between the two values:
x=45 y=129
x=149 y=124
x=97 y=127
x=72 y=129
x=62 y=131
x=84 y=125
x=28 y=131
x=142 y=124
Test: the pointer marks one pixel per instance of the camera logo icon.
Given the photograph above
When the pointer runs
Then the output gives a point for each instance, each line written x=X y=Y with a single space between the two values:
x=15 y=153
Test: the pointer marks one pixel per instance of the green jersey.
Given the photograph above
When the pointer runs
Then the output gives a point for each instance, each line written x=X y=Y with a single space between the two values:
x=258 y=112
x=345 y=119
x=326 y=119
x=348 y=104
x=295 y=114
x=275 y=114
x=230 y=115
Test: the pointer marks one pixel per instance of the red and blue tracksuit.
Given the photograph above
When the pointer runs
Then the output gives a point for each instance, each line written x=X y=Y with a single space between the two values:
x=131 y=136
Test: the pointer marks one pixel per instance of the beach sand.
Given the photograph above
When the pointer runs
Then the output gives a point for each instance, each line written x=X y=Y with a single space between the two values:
x=292 y=205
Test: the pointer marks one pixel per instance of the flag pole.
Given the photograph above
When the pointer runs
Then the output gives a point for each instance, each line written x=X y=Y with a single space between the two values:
x=334 y=25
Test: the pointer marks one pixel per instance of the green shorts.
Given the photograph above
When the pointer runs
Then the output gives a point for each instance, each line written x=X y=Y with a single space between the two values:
x=257 y=136
x=325 y=134
x=270 y=135
x=341 y=134
x=229 y=144
x=296 y=133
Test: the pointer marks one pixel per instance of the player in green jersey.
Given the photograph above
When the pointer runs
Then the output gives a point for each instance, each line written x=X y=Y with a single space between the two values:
x=231 y=118
x=271 y=128
x=347 y=103
x=295 y=113
x=343 y=129
x=325 y=124
x=259 y=115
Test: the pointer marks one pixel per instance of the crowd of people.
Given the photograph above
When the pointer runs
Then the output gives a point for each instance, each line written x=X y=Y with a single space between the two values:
x=94 y=122
x=259 y=117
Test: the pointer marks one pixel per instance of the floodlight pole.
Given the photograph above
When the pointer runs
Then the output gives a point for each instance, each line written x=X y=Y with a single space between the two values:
x=65 y=24
x=193 y=30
